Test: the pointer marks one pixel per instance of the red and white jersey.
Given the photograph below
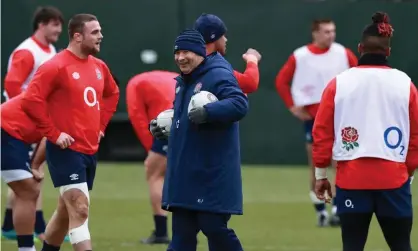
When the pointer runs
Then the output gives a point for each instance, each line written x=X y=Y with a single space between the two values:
x=371 y=116
x=314 y=71
x=368 y=122
x=34 y=54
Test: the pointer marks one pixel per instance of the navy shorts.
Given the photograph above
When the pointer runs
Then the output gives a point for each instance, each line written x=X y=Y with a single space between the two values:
x=15 y=160
x=386 y=203
x=308 y=126
x=68 y=167
x=160 y=146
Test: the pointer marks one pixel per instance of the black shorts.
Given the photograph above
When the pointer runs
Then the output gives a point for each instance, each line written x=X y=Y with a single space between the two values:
x=68 y=167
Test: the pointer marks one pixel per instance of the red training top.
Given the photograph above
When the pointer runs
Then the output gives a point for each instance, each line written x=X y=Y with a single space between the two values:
x=16 y=123
x=248 y=81
x=72 y=95
x=147 y=95
x=285 y=76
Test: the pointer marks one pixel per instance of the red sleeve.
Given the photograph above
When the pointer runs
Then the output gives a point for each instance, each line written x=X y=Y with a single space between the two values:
x=34 y=99
x=138 y=116
x=352 y=59
x=283 y=80
x=248 y=81
x=21 y=66
x=110 y=99
x=412 y=155
x=323 y=129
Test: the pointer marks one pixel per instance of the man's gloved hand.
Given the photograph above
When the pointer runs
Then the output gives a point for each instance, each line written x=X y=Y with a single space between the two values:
x=198 y=115
x=156 y=131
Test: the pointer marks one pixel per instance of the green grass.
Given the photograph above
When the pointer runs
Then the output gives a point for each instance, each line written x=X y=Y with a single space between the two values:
x=278 y=214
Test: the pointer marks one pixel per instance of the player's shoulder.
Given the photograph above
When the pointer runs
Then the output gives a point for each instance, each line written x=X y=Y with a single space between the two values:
x=28 y=43
x=52 y=48
x=388 y=72
x=99 y=62
x=165 y=74
x=140 y=79
x=55 y=63
x=300 y=50
x=399 y=77
x=219 y=74
x=351 y=73
x=399 y=73
x=216 y=66
x=338 y=46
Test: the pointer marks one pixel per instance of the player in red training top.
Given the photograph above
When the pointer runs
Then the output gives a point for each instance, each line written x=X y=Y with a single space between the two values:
x=72 y=97
x=213 y=31
x=368 y=122
x=300 y=84
x=147 y=95
x=21 y=174
x=23 y=63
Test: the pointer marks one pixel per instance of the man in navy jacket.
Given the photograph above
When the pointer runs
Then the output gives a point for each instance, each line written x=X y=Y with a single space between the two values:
x=203 y=186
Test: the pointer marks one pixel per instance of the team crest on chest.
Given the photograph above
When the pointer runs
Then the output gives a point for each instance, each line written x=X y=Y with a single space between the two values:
x=177 y=89
x=98 y=74
x=76 y=75
x=197 y=88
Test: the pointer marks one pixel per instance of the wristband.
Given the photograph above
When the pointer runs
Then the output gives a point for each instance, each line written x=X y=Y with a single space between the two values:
x=320 y=173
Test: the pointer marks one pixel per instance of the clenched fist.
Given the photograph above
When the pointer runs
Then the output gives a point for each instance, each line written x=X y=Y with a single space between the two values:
x=252 y=55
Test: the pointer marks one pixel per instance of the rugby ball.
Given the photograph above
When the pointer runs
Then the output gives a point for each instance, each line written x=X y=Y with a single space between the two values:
x=165 y=119
x=200 y=99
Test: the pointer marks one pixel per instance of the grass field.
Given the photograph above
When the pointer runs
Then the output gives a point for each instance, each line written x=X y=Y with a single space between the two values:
x=277 y=216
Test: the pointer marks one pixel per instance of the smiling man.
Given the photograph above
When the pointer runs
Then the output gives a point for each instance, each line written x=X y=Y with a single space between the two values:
x=203 y=186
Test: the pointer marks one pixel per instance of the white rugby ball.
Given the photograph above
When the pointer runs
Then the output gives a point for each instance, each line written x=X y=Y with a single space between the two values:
x=165 y=119
x=200 y=99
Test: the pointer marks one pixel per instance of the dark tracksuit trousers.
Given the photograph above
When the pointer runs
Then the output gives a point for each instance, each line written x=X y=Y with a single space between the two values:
x=186 y=224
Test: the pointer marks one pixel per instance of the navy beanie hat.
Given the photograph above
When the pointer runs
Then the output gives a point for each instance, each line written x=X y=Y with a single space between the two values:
x=190 y=40
x=211 y=27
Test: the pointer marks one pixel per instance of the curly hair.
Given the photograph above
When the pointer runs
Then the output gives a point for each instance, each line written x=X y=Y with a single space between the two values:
x=376 y=36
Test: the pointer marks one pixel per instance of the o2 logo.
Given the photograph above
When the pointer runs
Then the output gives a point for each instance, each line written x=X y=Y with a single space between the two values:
x=394 y=145
x=348 y=203
x=90 y=90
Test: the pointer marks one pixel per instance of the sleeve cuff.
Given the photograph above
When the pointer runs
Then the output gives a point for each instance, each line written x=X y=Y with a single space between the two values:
x=320 y=173
x=54 y=136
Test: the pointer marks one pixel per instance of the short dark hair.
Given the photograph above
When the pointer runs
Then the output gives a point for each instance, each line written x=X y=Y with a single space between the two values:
x=76 y=23
x=44 y=14
x=316 y=23
x=376 y=36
